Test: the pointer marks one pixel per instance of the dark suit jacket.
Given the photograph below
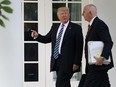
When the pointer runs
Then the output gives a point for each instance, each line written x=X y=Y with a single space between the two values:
x=100 y=32
x=71 y=49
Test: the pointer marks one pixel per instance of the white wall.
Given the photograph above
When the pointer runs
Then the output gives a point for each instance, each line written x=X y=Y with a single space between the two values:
x=107 y=12
x=11 y=47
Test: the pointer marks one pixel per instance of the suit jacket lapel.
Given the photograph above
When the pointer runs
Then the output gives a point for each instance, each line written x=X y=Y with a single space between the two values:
x=55 y=33
x=66 y=33
x=91 y=29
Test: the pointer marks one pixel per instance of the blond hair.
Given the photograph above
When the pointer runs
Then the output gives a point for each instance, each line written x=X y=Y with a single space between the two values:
x=62 y=9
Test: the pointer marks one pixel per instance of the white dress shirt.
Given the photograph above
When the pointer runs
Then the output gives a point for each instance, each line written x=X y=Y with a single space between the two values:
x=65 y=26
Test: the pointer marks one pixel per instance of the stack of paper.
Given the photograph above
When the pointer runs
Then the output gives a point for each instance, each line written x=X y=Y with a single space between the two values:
x=94 y=50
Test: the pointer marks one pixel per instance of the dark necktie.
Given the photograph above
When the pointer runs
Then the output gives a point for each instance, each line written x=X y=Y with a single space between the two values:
x=56 y=48
x=89 y=27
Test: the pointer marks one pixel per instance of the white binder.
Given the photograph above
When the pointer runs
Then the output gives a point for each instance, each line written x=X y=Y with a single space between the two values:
x=95 y=49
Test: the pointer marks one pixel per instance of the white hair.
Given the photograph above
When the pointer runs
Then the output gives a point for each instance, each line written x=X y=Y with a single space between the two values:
x=92 y=8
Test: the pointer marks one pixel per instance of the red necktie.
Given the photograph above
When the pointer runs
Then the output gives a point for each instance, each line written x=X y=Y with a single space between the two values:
x=89 y=27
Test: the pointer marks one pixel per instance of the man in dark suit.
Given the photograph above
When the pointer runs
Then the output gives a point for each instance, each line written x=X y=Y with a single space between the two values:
x=70 y=47
x=98 y=31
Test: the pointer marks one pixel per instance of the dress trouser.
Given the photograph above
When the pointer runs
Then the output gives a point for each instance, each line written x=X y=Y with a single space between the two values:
x=97 y=79
x=63 y=78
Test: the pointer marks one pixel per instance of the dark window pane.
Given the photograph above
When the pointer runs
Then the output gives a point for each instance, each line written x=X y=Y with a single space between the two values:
x=55 y=6
x=75 y=10
x=31 y=72
x=27 y=30
x=31 y=51
x=30 y=12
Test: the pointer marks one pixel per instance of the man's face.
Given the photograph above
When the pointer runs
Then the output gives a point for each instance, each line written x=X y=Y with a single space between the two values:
x=63 y=15
x=86 y=14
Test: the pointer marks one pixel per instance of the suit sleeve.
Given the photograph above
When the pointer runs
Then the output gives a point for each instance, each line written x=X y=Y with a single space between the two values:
x=79 y=46
x=45 y=38
x=104 y=35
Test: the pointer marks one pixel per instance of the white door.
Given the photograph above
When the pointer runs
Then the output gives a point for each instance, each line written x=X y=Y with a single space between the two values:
x=33 y=12
x=40 y=15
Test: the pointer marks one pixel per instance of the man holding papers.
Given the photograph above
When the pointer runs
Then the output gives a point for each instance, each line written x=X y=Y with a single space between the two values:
x=98 y=55
x=95 y=49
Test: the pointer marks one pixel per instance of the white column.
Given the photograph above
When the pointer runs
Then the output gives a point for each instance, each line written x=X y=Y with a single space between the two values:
x=11 y=58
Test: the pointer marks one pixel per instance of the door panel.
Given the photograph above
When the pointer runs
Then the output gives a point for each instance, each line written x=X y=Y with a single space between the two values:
x=39 y=15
